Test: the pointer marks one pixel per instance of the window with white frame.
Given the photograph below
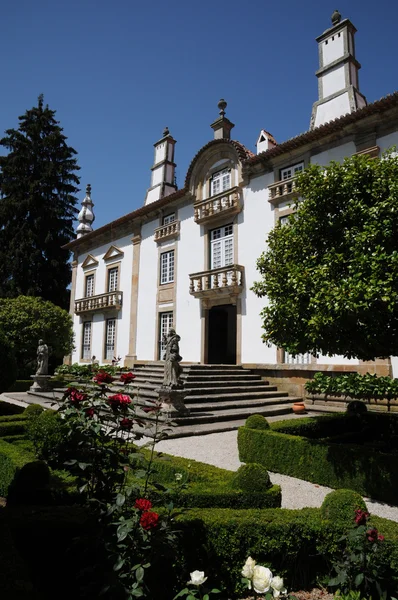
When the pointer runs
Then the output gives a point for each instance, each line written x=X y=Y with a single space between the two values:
x=221 y=247
x=86 y=340
x=169 y=219
x=165 y=324
x=220 y=182
x=89 y=286
x=289 y=172
x=167 y=267
x=113 y=276
x=110 y=337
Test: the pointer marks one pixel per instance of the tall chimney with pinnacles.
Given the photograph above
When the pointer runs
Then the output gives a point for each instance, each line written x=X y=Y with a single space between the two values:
x=163 y=170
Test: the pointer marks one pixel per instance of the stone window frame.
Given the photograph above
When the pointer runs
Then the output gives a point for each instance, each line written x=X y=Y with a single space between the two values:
x=110 y=317
x=163 y=252
x=109 y=267
x=160 y=312
x=82 y=359
x=86 y=276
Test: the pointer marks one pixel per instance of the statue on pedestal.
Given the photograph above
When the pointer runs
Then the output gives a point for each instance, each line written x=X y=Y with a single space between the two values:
x=42 y=358
x=172 y=358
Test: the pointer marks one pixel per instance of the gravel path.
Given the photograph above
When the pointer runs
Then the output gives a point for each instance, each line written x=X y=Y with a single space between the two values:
x=221 y=450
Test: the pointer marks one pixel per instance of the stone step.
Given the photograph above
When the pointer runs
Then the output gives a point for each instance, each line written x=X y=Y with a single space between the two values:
x=239 y=396
x=250 y=402
x=232 y=414
x=230 y=389
x=224 y=377
x=251 y=383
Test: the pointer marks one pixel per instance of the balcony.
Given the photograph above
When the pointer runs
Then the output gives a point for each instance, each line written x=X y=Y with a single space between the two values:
x=282 y=191
x=167 y=232
x=108 y=301
x=227 y=281
x=227 y=203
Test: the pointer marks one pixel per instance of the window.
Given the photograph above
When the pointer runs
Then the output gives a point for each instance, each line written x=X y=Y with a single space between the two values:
x=169 y=219
x=220 y=182
x=89 y=286
x=86 y=340
x=167 y=267
x=165 y=323
x=221 y=247
x=289 y=172
x=284 y=220
x=113 y=275
x=110 y=336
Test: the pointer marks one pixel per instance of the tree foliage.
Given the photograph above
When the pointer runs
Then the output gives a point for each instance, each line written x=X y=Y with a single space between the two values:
x=331 y=274
x=37 y=207
x=27 y=319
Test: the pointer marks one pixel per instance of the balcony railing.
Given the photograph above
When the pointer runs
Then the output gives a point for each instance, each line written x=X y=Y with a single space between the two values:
x=226 y=203
x=282 y=191
x=110 y=300
x=215 y=282
x=166 y=232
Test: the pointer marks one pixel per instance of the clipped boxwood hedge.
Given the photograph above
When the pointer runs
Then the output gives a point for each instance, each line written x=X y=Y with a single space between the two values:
x=20 y=385
x=315 y=458
x=20 y=473
x=209 y=486
x=6 y=408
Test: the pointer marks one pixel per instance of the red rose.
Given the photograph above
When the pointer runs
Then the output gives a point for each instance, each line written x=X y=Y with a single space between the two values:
x=126 y=423
x=119 y=401
x=90 y=412
x=127 y=377
x=103 y=377
x=372 y=535
x=361 y=516
x=143 y=504
x=380 y=538
x=149 y=520
x=75 y=396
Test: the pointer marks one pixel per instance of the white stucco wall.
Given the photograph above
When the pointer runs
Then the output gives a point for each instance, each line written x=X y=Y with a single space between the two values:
x=336 y=360
x=333 y=82
x=190 y=259
x=337 y=153
x=387 y=141
x=147 y=289
x=332 y=49
x=334 y=108
x=255 y=223
x=98 y=318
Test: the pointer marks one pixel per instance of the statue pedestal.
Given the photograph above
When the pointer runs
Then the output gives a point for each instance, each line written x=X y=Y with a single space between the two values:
x=172 y=400
x=41 y=383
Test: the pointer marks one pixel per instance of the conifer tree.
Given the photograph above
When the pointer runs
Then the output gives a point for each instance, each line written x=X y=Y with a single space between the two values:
x=38 y=183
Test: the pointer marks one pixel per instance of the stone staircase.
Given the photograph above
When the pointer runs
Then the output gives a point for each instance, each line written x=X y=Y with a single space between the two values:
x=219 y=397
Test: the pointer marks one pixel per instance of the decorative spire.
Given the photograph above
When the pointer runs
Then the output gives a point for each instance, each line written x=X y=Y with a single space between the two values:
x=336 y=17
x=166 y=132
x=222 y=105
x=86 y=215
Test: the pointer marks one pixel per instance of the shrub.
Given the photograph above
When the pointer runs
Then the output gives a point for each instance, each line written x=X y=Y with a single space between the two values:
x=257 y=422
x=356 y=407
x=354 y=385
x=20 y=385
x=252 y=478
x=33 y=410
x=6 y=408
x=8 y=363
x=47 y=432
x=12 y=459
x=339 y=506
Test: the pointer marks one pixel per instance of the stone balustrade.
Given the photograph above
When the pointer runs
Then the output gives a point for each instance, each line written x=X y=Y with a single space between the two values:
x=168 y=231
x=110 y=300
x=226 y=203
x=214 y=282
x=282 y=191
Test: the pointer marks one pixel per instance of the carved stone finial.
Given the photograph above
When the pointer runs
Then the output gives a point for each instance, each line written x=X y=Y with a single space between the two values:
x=86 y=215
x=336 y=17
x=222 y=105
x=166 y=131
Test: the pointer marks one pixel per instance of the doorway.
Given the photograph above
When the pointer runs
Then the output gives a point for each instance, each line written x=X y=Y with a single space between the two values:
x=221 y=338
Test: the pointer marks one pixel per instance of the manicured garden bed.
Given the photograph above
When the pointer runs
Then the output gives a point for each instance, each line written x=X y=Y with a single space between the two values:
x=339 y=451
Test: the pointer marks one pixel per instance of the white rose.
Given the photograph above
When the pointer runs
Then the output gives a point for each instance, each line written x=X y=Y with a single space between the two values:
x=178 y=476
x=262 y=577
x=197 y=578
x=277 y=586
x=248 y=567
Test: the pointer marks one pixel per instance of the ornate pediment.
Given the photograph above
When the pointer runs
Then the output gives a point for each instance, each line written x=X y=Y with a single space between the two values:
x=90 y=261
x=113 y=253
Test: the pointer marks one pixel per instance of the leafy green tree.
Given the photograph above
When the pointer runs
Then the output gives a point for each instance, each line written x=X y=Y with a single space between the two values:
x=8 y=363
x=27 y=319
x=331 y=275
x=38 y=183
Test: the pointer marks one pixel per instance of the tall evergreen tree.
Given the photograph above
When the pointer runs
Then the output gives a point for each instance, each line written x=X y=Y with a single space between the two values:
x=38 y=183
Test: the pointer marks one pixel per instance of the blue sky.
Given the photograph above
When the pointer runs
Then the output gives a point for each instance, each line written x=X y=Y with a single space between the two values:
x=118 y=72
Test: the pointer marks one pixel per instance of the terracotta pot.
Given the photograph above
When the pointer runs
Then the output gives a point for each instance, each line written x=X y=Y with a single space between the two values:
x=298 y=408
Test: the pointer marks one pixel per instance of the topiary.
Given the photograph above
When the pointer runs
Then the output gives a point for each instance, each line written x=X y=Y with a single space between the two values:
x=33 y=410
x=48 y=434
x=257 y=422
x=339 y=506
x=251 y=478
x=356 y=407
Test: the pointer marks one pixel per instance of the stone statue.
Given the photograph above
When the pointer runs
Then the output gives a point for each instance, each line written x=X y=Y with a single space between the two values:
x=42 y=358
x=172 y=358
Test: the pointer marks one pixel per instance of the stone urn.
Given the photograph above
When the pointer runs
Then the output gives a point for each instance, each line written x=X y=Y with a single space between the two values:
x=299 y=408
